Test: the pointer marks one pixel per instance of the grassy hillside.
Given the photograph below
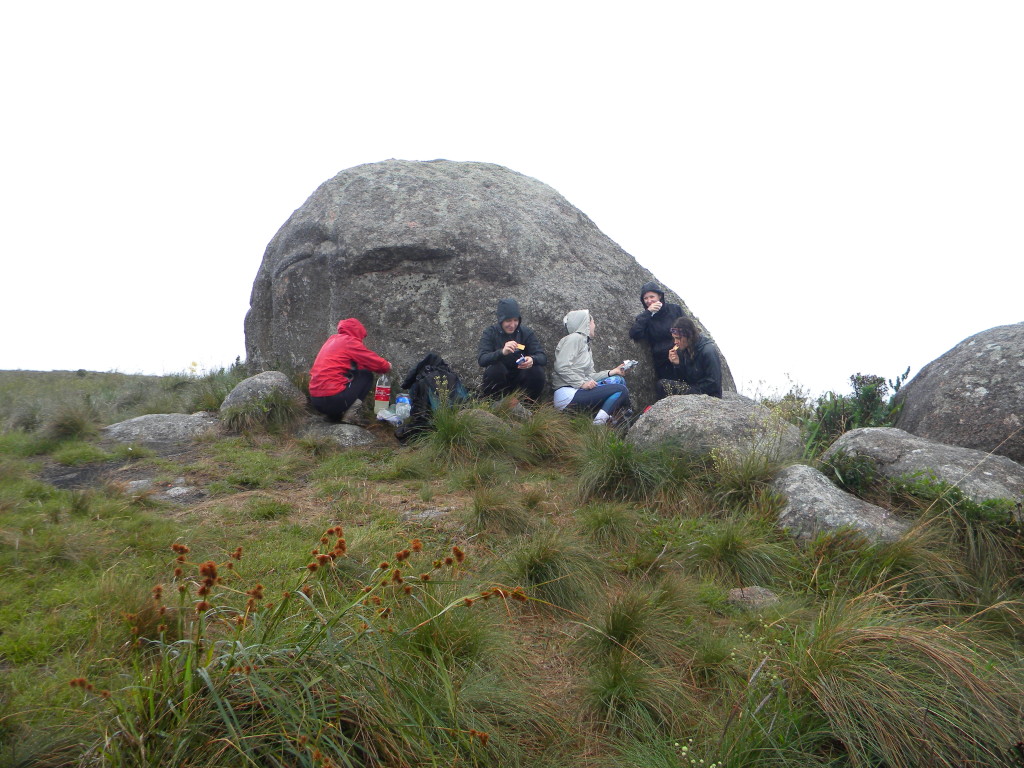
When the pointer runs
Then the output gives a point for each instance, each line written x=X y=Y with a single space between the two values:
x=537 y=593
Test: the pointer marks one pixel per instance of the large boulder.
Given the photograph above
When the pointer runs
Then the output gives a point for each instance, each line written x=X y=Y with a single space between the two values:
x=896 y=453
x=732 y=425
x=972 y=396
x=421 y=252
x=813 y=505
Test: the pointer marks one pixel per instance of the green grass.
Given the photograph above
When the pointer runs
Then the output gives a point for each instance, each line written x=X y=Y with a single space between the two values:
x=567 y=606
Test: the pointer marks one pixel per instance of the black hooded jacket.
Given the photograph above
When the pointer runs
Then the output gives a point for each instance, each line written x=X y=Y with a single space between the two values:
x=494 y=337
x=702 y=370
x=654 y=329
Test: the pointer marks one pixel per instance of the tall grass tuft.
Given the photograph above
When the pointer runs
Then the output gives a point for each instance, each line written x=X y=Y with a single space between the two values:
x=557 y=570
x=73 y=420
x=740 y=552
x=273 y=413
x=499 y=509
x=461 y=435
x=611 y=468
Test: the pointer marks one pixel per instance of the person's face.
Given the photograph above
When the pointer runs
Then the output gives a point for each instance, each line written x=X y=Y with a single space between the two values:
x=680 y=340
x=649 y=298
x=510 y=325
x=593 y=325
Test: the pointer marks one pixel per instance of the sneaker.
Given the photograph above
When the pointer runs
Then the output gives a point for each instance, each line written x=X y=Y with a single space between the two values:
x=354 y=415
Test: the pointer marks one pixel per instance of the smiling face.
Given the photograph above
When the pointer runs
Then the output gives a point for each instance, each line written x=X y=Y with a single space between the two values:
x=510 y=325
x=649 y=298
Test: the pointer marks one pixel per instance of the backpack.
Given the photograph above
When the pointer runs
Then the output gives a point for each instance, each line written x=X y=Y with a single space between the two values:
x=431 y=384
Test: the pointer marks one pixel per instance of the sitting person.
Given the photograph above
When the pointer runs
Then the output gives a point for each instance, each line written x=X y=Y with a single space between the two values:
x=696 y=366
x=343 y=372
x=652 y=326
x=511 y=355
x=578 y=387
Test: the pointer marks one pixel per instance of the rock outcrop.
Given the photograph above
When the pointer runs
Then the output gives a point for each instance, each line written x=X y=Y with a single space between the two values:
x=158 y=429
x=972 y=396
x=896 y=453
x=733 y=425
x=814 y=505
x=421 y=252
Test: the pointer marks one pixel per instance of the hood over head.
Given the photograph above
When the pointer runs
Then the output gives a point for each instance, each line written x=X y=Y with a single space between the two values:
x=508 y=309
x=577 y=321
x=352 y=327
x=648 y=287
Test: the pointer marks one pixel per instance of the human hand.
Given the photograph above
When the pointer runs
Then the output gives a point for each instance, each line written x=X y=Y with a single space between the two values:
x=617 y=371
x=653 y=308
x=673 y=356
x=510 y=347
x=526 y=364
x=588 y=384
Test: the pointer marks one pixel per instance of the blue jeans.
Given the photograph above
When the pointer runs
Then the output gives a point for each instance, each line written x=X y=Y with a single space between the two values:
x=608 y=398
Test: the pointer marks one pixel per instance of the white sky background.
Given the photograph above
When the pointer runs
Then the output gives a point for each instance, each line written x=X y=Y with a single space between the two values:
x=831 y=187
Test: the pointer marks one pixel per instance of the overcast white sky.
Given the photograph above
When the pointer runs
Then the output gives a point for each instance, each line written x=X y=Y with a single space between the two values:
x=831 y=187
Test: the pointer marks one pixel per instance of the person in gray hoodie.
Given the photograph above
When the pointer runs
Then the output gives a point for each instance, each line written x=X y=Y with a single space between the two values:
x=578 y=387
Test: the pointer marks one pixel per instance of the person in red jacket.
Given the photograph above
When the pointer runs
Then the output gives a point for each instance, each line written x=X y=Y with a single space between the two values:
x=343 y=372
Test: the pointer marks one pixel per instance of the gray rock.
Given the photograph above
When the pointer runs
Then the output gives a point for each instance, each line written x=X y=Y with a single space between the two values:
x=345 y=435
x=896 y=453
x=972 y=396
x=259 y=386
x=161 y=428
x=752 y=598
x=733 y=425
x=814 y=505
x=421 y=252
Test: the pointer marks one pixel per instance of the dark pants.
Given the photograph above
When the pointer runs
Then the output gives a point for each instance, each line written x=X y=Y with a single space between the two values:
x=500 y=380
x=334 y=406
x=597 y=399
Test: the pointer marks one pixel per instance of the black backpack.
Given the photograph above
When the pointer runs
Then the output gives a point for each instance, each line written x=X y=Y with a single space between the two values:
x=431 y=384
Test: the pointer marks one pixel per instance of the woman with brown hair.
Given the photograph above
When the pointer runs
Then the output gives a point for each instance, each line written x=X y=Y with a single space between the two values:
x=694 y=360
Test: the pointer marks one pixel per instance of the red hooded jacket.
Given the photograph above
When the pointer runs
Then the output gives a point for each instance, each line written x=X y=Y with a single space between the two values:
x=339 y=356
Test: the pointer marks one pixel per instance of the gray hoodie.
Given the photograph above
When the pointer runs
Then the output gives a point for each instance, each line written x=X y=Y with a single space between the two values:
x=573 y=362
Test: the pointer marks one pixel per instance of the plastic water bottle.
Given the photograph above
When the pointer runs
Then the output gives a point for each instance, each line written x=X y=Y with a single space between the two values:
x=403 y=406
x=382 y=394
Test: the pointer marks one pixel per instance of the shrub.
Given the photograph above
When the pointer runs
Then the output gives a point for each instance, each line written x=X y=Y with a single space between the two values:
x=870 y=405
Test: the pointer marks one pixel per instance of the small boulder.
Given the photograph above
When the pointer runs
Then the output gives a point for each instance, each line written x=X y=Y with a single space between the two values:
x=161 y=428
x=972 y=396
x=345 y=435
x=896 y=453
x=814 y=505
x=258 y=387
x=752 y=598
x=733 y=424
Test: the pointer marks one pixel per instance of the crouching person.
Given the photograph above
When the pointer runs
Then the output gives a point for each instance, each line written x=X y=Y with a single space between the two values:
x=343 y=373
x=511 y=355
x=578 y=387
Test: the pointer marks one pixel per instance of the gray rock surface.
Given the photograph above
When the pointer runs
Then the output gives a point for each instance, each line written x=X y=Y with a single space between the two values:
x=896 y=453
x=345 y=435
x=972 y=396
x=259 y=386
x=734 y=425
x=421 y=252
x=161 y=428
x=752 y=598
x=814 y=505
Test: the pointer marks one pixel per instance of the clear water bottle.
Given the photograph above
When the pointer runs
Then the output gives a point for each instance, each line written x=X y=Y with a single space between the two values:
x=382 y=394
x=403 y=406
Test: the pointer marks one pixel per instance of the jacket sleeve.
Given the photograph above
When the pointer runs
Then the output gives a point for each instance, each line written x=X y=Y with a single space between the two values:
x=639 y=330
x=573 y=362
x=369 y=360
x=486 y=354
x=534 y=349
x=709 y=372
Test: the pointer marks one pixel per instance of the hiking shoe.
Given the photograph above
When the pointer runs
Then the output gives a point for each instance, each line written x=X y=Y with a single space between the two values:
x=354 y=415
x=622 y=418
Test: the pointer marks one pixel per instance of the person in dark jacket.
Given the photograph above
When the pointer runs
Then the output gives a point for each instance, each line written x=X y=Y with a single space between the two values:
x=343 y=372
x=511 y=355
x=694 y=360
x=652 y=326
